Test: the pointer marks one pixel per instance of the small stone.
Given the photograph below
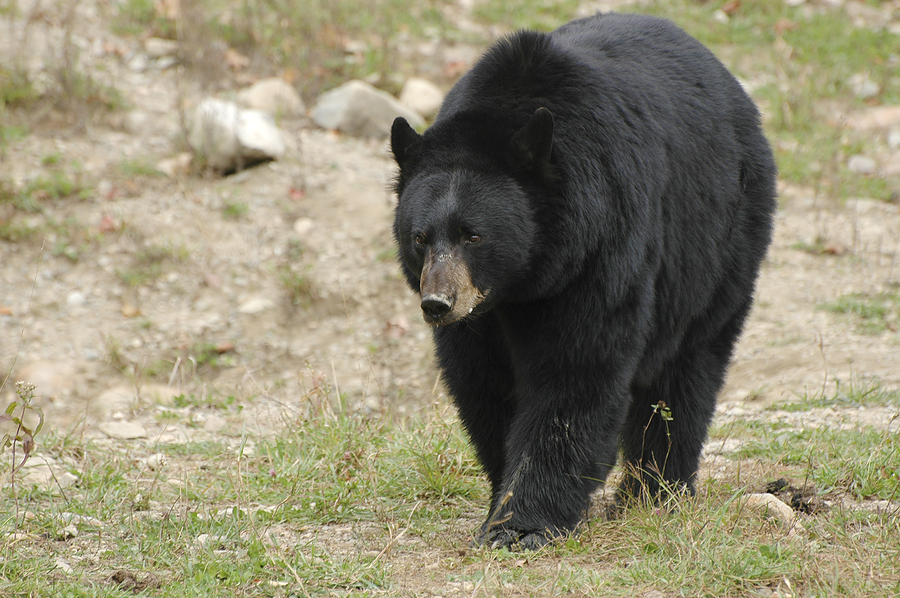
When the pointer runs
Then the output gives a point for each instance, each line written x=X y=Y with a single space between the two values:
x=771 y=507
x=75 y=299
x=720 y=16
x=879 y=117
x=138 y=62
x=156 y=461
x=303 y=226
x=64 y=566
x=157 y=47
x=255 y=305
x=893 y=138
x=423 y=96
x=859 y=164
x=176 y=165
x=123 y=430
x=863 y=87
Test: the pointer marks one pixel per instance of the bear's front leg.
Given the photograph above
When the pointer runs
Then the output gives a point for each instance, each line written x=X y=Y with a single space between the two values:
x=571 y=399
x=559 y=450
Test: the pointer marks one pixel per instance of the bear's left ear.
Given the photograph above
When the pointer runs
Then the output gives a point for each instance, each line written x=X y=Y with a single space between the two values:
x=405 y=142
x=533 y=143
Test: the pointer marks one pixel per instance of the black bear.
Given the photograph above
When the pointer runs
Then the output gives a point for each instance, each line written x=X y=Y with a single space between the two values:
x=584 y=223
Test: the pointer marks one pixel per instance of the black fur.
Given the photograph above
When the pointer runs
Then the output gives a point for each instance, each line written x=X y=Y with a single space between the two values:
x=623 y=192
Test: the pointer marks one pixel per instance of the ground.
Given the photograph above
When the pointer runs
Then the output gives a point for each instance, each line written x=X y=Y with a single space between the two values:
x=138 y=294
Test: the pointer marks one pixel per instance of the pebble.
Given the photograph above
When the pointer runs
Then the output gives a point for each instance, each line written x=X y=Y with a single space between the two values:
x=303 y=226
x=893 y=138
x=75 y=299
x=157 y=47
x=772 y=507
x=255 y=305
x=859 y=164
x=863 y=87
x=123 y=430
x=156 y=461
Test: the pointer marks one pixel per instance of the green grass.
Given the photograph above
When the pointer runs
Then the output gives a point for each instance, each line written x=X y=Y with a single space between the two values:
x=861 y=463
x=870 y=313
x=151 y=261
x=858 y=393
x=342 y=503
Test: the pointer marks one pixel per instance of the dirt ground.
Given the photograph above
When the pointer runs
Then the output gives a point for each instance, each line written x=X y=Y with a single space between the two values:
x=298 y=283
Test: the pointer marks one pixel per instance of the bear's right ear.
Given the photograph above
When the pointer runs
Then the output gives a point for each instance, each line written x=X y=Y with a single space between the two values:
x=405 y=142
x=534 y=142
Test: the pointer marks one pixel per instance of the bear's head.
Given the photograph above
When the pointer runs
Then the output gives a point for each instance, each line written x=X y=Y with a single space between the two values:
x=465 y=221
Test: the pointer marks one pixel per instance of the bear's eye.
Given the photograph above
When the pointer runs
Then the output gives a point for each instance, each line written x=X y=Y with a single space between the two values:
x=472 y=239
x=419 y=240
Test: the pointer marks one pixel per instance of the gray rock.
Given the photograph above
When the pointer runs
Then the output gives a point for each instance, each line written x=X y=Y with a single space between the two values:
x=229 y=137
x=273 y=95
x=422 y=95
x=359 y=109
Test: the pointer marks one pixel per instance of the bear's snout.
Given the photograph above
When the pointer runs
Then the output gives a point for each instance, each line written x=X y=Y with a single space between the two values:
x=446 y=287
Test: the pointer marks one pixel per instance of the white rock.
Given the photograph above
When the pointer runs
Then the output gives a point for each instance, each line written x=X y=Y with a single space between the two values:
x=273 y=95
x=303 y=226
x=230 y=137
x=157 y=47
x=893 y=138
x=64 y=566
x=156 y=461
x=359 y=109
x=859 y=164
x=123 y=430
x=772 y=507
x=75 y=299
x=176 y=165
x=422 y=95
x=255 y=305
x=878 y=117
x=863 y=87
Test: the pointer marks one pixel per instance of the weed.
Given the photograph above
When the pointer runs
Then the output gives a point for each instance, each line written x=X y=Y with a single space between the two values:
x=300 y=289
x=150 y=261
x=233 y=210
x=872 y=314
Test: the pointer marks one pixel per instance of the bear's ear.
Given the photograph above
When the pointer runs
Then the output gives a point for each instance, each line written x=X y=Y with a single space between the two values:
x=405 y=142
x=533 y=143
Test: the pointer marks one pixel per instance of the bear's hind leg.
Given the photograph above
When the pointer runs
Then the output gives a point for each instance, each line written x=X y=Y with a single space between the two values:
x=667 y=423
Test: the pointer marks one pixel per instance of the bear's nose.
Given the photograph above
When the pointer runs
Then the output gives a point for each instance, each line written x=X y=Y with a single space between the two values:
x=436 y=306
